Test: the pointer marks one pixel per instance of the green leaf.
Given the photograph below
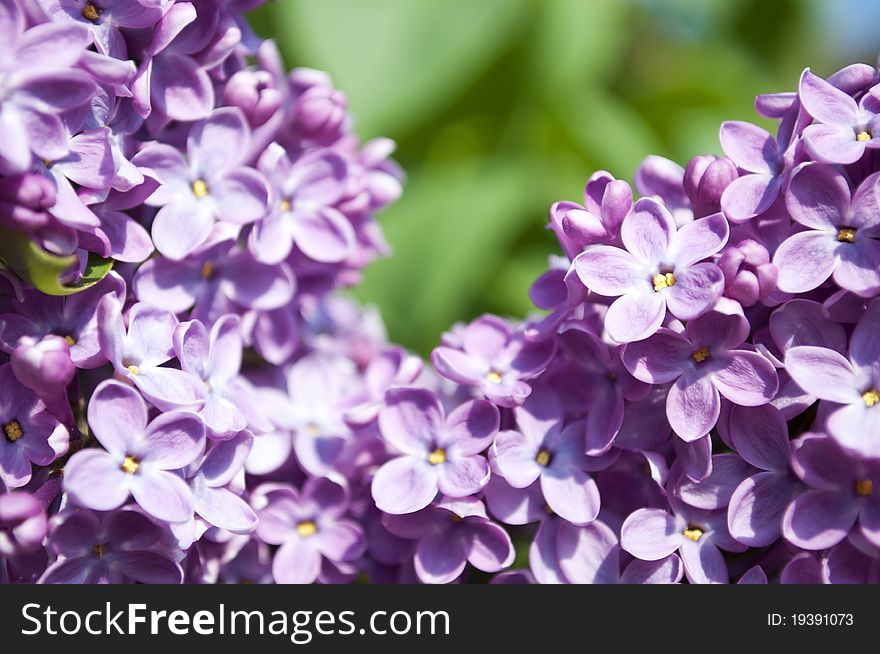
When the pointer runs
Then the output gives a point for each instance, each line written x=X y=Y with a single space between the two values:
x=43 y=269
x=400 y=62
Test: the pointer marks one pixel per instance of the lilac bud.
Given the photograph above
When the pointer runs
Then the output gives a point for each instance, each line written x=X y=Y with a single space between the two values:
x=749 y=276
x=22 y=523
x=320 y=111
x=705 y=179
x=43 y=366
x=255 y=94
x=24 y=200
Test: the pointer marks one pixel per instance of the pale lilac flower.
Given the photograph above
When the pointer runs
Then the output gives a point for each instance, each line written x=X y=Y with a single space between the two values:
x=105 y=19
x=705 y=362
x=762 y=162
x=140 y=458
x=841 y=239
x=658 y=269
x=437 y=453
x=309 y=526
x=495 y=358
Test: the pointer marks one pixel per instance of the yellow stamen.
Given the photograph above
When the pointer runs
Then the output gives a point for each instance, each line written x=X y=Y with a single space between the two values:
x=701 y=355
x=864 y=487
x=871 y=398
x=493 y=377
x=48 y=163
x=133 y=369
x=313 y=429
x=13 y=431
x=91 y=12
x=846 y=235
x=457 y=518
x=693 y=533
x=543 y=458
x=207 y=270
x=437 y=456
x=306 y=528
x=663 y=280
x=71 y=341
x=863 y=136
x=130 y=464
x=99 y=550
x=284 y=206
x=200 y=188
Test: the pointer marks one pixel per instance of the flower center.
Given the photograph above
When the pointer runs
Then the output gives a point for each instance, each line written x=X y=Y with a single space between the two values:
x=130 y=464
x=133 y=369
x=870 y=398
x=99 y=550
x=663 y=280
x=693 y=533
x=846 y=234
x=284 y=206
x=864 y=487
x=71 y=341
x=864 y=135
x=313 y=429
x=543 y=459
x=208 y=270
x=437 y=457
x=13 y=431
x=200 y=188
x=306 y=528
x=701 y=355
x=91 y=12
x=493 y=377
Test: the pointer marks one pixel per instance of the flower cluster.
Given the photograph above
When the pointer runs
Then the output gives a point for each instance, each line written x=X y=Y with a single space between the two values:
x=699 y=400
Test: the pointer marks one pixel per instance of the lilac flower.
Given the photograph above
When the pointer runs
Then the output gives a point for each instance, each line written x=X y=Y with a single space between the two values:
x=697 y=535
x=38 y=84
x=392 y=367
x=842 y=492
x=139 y=459
x=762 y=161
x=495 y=358
x=841 y=235
x=30 y=433
x=23 y=523
x=43 y=366
x=309 y=526
x=109 y=548
x=705 y=362
x=658 y=269
x=438 y=453
x=138 y=352
x=851 y=384
x=303 y=214
x=209 y=184
x=843 y=129
x=749 y=276
x=450 y=534
x=544 y=449
x=105 y=19
x=216 y=279
x=215 y=358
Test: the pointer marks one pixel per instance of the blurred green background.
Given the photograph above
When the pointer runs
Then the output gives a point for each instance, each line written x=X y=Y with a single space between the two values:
x=501 y=107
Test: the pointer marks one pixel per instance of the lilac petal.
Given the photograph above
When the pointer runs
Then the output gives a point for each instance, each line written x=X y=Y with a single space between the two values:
x=823 y=373
x=514 y=506
x=242 y=196
x=857 y=428
x=805 y=260
x=404 y=485
x=129 y=241
x=857 y=269
x=148 y=567
x=180 y=88
x=491 y=549
x=659 y=359
x=651 y=534
x=270 y=240
x=692 y=406
x=588 y=555
x=169 y=388
x=699 y=240
x=757 y=506
x=410 y=420
x=296 y=562
x=818 y=197
x=635 y=316
x=513 y=457
x=255 y=285
x=470 y=428
x=714 y=492
x=543 y=556
x=150 y=331
x=695 y=457
x=802 y=322
x=746 y=378
x=163 y=495
x=703 y=563
x=647 y=231
x=802 y=569
x=440 y=558
x=93 y=479
x=760 y=436
x=225 y=459
x=833 y=144
x=117 y=416
x=486 y=337
x=819 y=519
x=218 y=143
x=826 y=103
x=869 y=522
x=609 y=270
x=573 y=496
x=67 y=537
x=69 y=571
x=821 y=463
x=458 y=366
x=664 y=571
x=463 y=477
x=604 y=421
x=170 y=284
x=341 y=541
x=192 y=346
x=750 y=147
x=754 y=575
x=695 y=291
x=173 y=440
x=325 y=236
x=749 y=196
x=180 y=227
